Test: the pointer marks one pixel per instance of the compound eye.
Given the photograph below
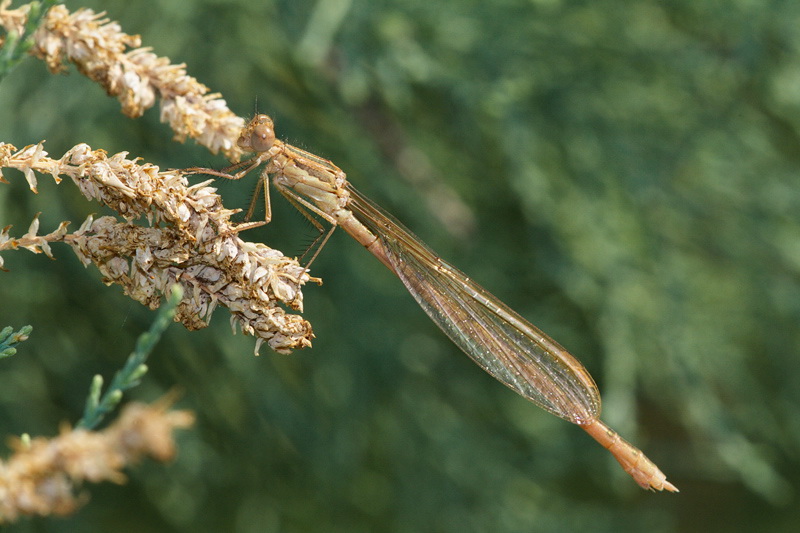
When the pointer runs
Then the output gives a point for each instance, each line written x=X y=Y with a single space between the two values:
x=258 y=136
x=262 y=137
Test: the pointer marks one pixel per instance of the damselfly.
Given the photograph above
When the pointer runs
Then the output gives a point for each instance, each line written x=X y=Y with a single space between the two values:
x=499 y=340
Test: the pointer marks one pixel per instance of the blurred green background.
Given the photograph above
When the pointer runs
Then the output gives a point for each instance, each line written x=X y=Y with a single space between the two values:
x=623 y=174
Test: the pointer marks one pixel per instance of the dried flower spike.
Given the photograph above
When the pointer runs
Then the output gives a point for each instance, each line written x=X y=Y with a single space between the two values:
x=134 y=75
x=191 y=241
x=41 y=477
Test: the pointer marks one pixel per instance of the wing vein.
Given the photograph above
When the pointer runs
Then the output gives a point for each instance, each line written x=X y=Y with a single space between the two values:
x=499 y=340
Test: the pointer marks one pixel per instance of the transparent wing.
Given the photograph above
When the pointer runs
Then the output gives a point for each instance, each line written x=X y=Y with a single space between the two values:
x=499 y=340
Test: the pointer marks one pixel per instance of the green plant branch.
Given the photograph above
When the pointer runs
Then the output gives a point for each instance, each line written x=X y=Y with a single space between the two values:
x=131 y=374
x=10 y=338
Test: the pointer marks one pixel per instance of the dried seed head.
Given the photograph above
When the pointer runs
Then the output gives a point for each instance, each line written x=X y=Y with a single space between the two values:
x=134 y=75
x=191 y=241
x=41 y=476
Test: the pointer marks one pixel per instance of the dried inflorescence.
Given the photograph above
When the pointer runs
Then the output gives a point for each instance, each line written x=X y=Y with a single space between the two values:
x=197 y=246
x=132 y=74
x=13 y=20
x=191 y=240
x=42 y=475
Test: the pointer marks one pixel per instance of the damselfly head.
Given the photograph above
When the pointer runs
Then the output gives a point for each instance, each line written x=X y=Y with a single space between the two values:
x=258 y=135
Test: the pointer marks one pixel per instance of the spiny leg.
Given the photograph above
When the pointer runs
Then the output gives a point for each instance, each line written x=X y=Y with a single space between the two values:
x=306 y=209
x=263 y=182
x=246 y=167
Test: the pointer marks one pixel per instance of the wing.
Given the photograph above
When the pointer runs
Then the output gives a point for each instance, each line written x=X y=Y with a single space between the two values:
x=499 y=340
